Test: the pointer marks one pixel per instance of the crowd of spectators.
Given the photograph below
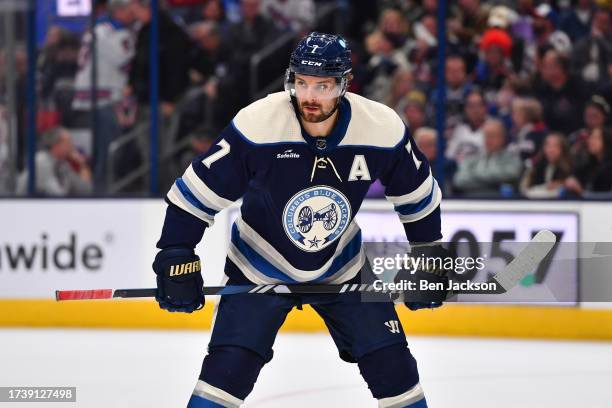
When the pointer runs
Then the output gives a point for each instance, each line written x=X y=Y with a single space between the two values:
x=527 y=91
x=527 y=87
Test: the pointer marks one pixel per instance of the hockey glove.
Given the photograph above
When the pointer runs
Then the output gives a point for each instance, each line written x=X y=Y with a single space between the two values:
x=179 y=280
x=430 y=278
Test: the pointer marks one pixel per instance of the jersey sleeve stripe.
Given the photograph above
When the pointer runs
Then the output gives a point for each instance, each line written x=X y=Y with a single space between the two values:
x=175 y=197
x=216 y=395
x=206 y=195
x=415 y=196
x=422 y=209
x=186 y=192
x=414 y=207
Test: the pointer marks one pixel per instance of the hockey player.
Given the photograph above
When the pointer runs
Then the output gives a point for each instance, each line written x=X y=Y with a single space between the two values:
x=302 y=161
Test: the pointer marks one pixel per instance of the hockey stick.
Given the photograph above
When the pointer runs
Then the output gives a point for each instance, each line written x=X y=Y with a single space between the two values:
x=526 y=261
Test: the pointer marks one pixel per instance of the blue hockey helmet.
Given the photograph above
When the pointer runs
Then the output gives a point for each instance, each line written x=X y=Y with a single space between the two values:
x=323 y=55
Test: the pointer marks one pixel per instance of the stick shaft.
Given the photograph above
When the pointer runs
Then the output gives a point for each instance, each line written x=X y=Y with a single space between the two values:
x=517 y=269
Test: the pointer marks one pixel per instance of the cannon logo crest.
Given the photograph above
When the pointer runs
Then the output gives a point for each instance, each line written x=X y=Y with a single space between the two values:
x=316 y=217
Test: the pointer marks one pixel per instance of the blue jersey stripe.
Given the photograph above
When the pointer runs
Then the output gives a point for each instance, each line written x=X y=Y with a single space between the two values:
x=408 y=209
x=192 y=198
x=199 y=402
x=349 y=252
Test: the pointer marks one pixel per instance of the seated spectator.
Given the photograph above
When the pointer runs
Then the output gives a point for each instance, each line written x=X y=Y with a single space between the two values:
x=467 y=138
x=528 y=130
x=468 y=20
x=494 y=67
x=202 y=139
x=576 y=22
x=596 y=114
x=592 y=55
x=546 y=177
x=426 y=139
x=384 y=61
x=394 y=25
x=60 y=169
x=493 y=171
x=413 y=110
x=401 y=85
x=216 y=75
x=593 y=171
x=458 y=87
x=561 y=94
x=290 y=15
x=545 y=22
x=422 y=51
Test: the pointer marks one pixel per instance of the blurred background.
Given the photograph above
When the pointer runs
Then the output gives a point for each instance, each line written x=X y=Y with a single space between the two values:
x=103 y=103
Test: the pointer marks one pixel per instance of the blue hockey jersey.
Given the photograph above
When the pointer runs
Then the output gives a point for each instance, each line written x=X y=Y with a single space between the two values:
x=300 y=193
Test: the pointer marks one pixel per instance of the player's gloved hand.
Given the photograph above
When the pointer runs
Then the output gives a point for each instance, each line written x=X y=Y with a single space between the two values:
x=429 y=274
x=179 y=280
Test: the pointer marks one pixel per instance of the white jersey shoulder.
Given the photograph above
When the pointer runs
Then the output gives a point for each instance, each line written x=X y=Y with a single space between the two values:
x=273 y=120
x=372 y=124
x=269 y=120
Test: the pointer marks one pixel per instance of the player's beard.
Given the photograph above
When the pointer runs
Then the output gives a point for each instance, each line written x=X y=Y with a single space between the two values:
x=315 y=117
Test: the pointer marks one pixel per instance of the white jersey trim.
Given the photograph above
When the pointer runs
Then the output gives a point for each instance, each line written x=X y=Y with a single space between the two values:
x=403 y=400
x=208 y=197
x=435 y=202
x=176 y=197
x=217 y=395
x=267 y=251
x=416 y=195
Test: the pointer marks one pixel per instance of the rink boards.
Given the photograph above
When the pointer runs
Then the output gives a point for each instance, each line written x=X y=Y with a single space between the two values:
x=80 y=244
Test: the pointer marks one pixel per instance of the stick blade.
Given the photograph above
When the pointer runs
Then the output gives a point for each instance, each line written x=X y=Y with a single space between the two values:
x=527 y=260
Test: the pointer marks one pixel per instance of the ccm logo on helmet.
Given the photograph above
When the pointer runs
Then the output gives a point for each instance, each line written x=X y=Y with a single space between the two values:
x=313 y=63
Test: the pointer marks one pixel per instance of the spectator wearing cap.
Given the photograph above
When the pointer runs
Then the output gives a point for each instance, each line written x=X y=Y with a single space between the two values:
x=492 y=170
x=592 y=55
x=596 y=114
x=576 y=21
x=467 y=139
x=546 y=177
x=494 y=66
x=545 y=22
x=60 y=169
x=593 y=172
x=528 y=129
x=560 y=94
